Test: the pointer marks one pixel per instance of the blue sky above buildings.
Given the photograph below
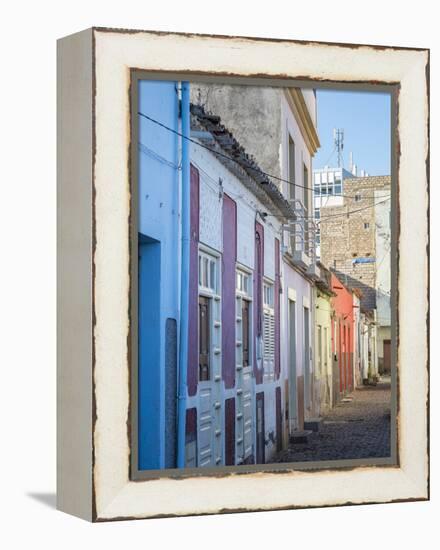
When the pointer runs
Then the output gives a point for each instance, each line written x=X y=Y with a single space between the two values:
x=366 y=120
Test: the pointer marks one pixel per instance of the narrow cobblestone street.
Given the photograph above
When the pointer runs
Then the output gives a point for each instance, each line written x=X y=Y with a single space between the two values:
x=358 y=428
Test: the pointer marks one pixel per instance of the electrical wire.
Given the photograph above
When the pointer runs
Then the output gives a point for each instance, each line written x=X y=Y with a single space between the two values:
x=387 y=251
x=331 y=154
x=218 y=153
x=352 y=211
x=342 y=215
x=153 y=154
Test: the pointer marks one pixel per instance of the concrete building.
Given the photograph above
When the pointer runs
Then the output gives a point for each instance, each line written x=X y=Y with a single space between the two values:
x=277 y=126
x=328 y=185
x=355 y=244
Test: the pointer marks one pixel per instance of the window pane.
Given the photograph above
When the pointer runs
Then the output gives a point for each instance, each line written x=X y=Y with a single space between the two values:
x=204 y=338
x=212 y=275
x=205 y=272
x=268 y=295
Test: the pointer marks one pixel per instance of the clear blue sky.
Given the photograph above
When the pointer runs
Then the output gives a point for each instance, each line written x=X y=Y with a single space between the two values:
x=365 y=118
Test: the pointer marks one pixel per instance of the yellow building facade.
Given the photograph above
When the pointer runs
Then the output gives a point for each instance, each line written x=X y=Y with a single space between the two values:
x=323 y=346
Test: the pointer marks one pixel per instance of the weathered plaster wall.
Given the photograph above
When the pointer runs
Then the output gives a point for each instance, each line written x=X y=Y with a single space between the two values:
x=251 y=113
x=289 y=126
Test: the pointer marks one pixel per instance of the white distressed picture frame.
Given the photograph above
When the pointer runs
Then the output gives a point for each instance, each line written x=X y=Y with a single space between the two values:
x=94 y=68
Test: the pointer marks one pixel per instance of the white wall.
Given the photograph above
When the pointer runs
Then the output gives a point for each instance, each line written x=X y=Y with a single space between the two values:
x=211 y=230
x=383 y=257
x=302 y=155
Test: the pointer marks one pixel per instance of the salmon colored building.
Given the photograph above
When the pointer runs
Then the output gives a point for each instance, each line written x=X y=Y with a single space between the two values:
x=343 y=330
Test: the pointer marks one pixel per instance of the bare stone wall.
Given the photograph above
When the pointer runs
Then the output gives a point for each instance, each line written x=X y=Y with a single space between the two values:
x=252 y=114
x=345 y=238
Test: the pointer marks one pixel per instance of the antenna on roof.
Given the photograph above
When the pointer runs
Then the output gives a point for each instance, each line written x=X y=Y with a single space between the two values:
x=338 y=137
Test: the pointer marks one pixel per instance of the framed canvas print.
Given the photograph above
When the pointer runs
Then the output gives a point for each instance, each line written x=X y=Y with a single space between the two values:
x=242 y=274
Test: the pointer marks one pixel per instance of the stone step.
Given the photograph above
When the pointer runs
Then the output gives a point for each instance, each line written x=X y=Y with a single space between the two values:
x=347 y=400
x=300 y=436
x=313 y=424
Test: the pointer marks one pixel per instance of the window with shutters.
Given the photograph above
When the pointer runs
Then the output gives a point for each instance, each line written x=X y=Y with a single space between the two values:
x=268 y=329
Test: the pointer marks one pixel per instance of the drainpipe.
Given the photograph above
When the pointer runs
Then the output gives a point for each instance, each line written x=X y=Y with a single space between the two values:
x=184 y=287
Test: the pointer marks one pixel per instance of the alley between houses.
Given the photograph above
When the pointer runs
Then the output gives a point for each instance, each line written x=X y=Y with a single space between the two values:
x=358 y=427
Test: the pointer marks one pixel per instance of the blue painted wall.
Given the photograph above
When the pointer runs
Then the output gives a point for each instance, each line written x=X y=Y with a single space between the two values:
x=159 y=249
x=149 y=354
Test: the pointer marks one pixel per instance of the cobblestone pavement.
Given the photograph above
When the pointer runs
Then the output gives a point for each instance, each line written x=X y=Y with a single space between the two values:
x=357 y=429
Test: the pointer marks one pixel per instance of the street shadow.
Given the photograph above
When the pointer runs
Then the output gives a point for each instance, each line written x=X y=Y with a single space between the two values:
x=48 y=499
